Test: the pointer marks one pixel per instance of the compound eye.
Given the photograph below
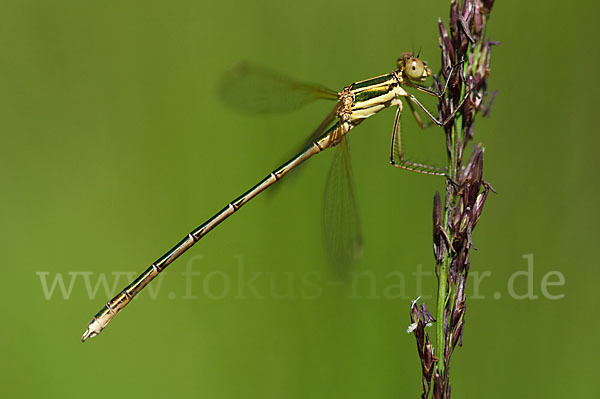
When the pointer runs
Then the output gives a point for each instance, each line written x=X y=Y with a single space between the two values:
x=414 y=68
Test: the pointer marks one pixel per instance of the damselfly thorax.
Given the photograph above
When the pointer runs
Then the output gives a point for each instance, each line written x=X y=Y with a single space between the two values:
x=363 y=99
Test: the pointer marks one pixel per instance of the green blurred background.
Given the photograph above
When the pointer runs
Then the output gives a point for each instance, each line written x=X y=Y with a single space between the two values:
x=115 y=145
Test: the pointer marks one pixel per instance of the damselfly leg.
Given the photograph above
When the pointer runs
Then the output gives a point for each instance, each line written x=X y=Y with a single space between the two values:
x=397 y=158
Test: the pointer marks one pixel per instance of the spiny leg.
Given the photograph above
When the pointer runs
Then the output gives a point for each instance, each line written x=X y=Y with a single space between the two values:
x=402 y=162
x=433 y=118
x=417 y=117
x=396 y=137
x=433 y=92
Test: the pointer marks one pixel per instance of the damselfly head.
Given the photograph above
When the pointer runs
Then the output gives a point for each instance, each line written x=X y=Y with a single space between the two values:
x=413 y=67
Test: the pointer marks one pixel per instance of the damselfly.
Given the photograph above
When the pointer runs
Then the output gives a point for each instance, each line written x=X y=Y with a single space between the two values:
x=355 y=103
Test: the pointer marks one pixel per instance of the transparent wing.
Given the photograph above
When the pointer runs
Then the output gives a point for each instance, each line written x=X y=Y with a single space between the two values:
x=322 y=126
x=326 y=123
x=257 y=89
x=341 y=224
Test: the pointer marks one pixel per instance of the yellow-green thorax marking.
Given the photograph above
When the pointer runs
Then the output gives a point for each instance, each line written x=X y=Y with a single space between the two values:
x=363 y=99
